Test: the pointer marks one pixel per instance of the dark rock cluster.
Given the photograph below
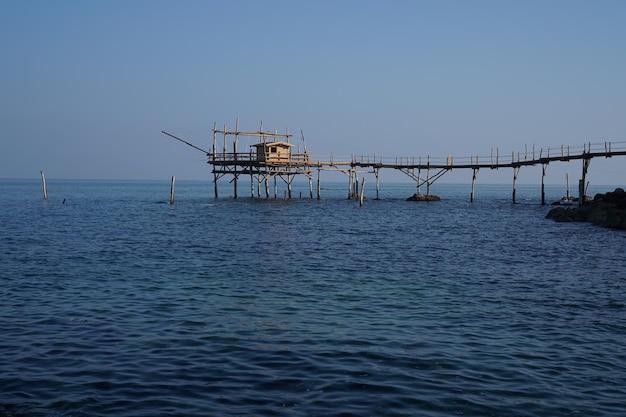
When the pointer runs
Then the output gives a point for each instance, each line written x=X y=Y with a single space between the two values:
x=422 y=197
x=606 y=210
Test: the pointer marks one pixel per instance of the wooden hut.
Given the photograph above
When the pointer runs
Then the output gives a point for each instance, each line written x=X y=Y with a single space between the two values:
x=272 y=152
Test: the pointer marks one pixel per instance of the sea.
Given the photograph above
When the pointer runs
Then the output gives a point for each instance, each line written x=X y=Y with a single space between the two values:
x=114 y=302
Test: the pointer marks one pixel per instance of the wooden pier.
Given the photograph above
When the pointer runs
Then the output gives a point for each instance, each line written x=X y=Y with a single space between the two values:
x=274 y=158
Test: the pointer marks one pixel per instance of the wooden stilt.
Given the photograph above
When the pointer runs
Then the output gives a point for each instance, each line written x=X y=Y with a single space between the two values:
x=581 y=183
x=310 y=186
x=251 y=183
x=43 y=181
x=475 y=173
x=319 y=185
x=419 y=181
x=213 y=155
x=289 y=179
x=543 y=186
x=428 y=176
x=275 y=188
x=172 y=190
x=362 y=194
x=267 y=187
x=516 y=170
x=235 y=176
x=376 y=172
x=350 y=183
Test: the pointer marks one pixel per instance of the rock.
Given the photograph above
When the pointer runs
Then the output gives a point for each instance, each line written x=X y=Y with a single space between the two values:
x=606 y=210
x=422 y=197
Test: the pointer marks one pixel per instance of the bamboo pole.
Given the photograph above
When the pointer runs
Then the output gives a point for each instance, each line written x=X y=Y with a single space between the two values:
x=172 y=190
x=43 y=181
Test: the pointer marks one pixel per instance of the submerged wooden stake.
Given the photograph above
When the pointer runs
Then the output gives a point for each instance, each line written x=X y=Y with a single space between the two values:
x=172 y=190
x=43 y=180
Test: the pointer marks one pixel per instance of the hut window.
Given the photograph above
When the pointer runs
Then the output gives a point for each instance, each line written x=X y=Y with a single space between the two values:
x=273 y=149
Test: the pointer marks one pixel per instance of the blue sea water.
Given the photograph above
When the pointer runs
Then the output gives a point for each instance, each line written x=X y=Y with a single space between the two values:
x=118 y=303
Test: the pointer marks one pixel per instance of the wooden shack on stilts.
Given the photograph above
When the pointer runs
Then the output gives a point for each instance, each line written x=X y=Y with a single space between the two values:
x=272 y=157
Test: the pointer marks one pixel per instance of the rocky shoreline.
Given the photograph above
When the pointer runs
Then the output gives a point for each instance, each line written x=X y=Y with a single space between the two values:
x=605 y=210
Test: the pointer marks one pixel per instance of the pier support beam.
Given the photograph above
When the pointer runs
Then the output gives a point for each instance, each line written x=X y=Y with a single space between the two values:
x=543 y=186
x=319 y=185
x=376 y=172
x=419 y=171
x=362 y=194
x=516 y=170
x=475 y=173
x=581 y=183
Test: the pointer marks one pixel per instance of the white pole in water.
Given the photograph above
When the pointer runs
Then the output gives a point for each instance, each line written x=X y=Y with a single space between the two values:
x=172 y=190
x=43 y=180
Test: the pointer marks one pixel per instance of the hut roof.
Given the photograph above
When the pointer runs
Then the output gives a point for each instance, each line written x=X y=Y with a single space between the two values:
x=268 y=144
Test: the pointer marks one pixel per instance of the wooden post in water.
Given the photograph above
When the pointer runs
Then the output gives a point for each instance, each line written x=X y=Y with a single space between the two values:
x=289 y=179
x=543 y=186
x=362 y=192
x=376 y=172
x=473 y=181
x=581 y=183
x=43 y=181
x=419 y=171
x=319 y=185
x=214 y=155
x=349 y=183
x=172 y=190
x=516 y=170
x=428 y=176
x=235 y=155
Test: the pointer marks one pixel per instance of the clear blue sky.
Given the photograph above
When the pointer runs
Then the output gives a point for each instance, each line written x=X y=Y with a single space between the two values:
x=87 y=86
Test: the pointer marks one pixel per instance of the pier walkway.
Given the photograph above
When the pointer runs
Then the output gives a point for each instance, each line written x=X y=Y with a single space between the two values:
x=273 y=157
